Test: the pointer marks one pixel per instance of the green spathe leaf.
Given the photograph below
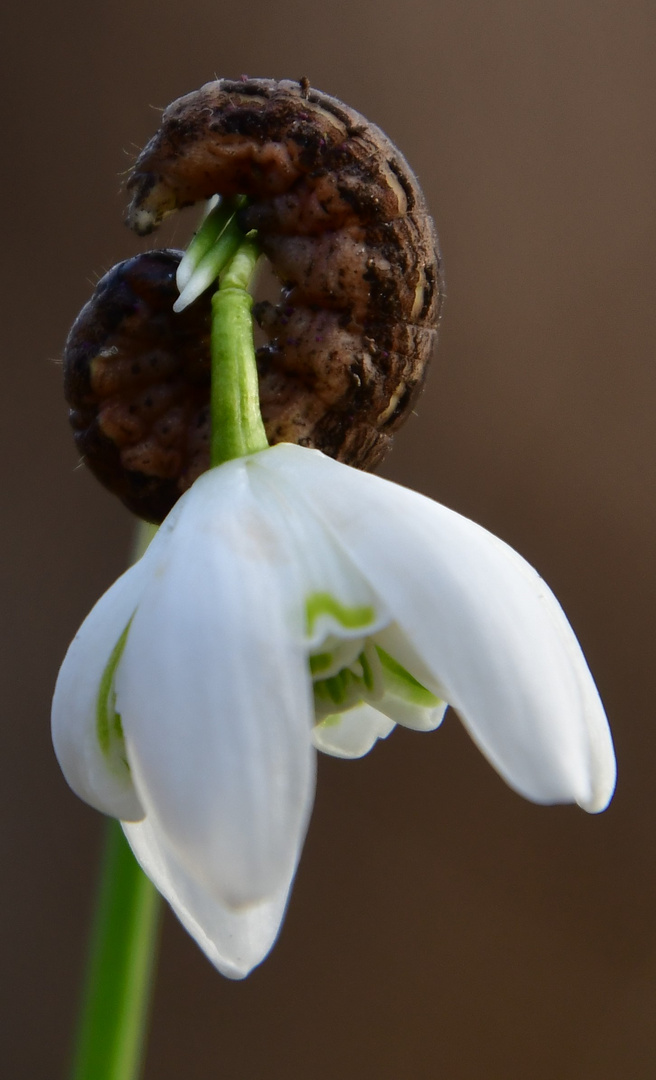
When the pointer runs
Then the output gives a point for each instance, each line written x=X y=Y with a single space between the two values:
x=211 y=248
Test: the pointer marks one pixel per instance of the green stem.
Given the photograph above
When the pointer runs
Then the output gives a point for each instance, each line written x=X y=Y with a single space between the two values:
x=237 y=427
x=111 y=1033
x=144 y=533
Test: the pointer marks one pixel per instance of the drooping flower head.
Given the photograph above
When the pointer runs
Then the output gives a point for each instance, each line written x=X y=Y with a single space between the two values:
x=289 y=602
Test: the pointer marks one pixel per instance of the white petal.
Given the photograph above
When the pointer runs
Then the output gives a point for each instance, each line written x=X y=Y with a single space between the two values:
x=412 y=716
x=482 y=629
x=215 y=694
x=74 y=719
x=315 y=565
x=353 y=733
x=234 y=941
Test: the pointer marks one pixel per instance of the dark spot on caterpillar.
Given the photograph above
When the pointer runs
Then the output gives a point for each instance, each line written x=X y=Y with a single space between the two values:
x=344 y=224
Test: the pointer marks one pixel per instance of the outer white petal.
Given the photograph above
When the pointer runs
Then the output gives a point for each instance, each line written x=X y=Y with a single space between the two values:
x=354 y=734
x=234 y=941
x=74 y=722
x=482 y=629
x=215 y=694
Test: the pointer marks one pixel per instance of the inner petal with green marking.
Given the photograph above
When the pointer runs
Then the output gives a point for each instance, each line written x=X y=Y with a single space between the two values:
x=109 y=727
x=324 y=604
x=354 y=670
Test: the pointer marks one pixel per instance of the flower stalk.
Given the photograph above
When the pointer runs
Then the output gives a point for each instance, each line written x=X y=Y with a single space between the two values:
x=111 y=1033
x=237 y=428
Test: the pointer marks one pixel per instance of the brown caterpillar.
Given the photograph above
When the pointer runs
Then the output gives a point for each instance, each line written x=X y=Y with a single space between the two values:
x=341 y=218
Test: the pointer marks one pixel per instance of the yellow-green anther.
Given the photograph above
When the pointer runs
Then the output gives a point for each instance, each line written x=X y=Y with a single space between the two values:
x=373 y=677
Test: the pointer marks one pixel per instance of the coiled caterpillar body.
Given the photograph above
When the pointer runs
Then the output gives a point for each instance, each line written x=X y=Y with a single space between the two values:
x=341 y=218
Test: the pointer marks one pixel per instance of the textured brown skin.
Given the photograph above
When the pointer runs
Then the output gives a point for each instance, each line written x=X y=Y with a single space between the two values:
x=344 y=224
x=137 y=379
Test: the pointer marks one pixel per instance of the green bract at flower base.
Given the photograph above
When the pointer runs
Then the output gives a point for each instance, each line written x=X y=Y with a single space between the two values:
x=290 y=602
x=211 y=249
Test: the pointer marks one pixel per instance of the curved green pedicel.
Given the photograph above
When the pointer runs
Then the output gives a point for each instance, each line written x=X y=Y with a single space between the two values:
x=351 y=618
x=109 y=729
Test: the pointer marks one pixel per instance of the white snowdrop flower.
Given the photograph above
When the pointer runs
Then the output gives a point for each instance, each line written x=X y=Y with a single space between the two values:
x=290 y=602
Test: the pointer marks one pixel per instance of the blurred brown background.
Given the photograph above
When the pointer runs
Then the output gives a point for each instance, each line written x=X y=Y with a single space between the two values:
x=440 y=926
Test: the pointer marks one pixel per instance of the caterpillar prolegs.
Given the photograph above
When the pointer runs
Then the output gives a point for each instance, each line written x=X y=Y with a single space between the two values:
x=344 y=224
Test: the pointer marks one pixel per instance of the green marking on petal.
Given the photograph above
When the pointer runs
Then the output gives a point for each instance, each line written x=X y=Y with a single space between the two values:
x=118 y=725
x=338 y=693
x=109 y=726
x=351 y=618
x=402 y=684
x=367 y=674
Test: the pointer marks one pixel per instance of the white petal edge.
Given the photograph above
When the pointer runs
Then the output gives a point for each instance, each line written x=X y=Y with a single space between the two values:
x=354 y=734
x=482 y=629
x=234 y=941
x=74 y=720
